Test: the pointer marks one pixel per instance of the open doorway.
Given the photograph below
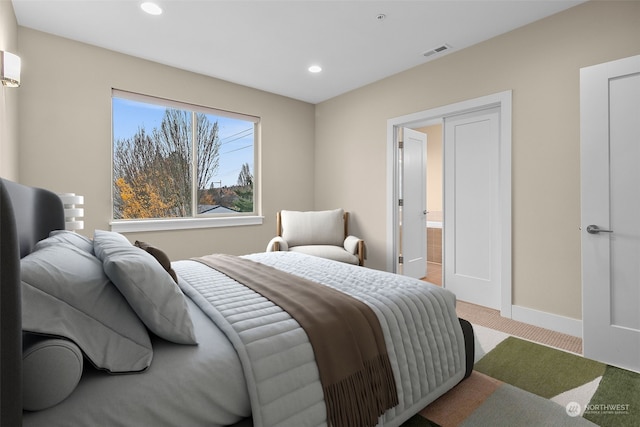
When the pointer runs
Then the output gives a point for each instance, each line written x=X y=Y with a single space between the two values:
x=435 y=210
x=457 y=254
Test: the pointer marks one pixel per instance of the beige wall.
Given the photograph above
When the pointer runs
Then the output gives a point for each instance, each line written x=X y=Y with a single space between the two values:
x=8 y=97
x=434 y=167
x=540 y=63
x=338 y=158
x=65 y=135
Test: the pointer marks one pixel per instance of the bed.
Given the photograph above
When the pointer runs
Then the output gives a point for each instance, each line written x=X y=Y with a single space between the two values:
x=210 y=351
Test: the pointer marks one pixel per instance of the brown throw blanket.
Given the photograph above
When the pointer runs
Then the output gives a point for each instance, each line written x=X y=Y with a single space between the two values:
x=344 y=332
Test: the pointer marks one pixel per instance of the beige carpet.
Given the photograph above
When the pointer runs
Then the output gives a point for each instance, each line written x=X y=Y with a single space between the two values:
x=491 y=319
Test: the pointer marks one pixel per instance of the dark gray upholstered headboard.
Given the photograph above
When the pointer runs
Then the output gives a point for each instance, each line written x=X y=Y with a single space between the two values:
x=27 y=215
x=37 y=213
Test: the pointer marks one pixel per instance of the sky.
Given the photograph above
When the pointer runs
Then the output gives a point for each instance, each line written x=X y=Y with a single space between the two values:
x=236 y=136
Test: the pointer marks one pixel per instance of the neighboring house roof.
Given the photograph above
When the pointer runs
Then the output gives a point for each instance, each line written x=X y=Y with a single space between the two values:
x=206 y=209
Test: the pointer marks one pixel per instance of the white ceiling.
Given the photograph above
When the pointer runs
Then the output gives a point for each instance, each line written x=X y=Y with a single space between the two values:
x=269 y=45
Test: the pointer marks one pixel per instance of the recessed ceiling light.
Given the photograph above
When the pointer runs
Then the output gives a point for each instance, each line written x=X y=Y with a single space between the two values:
x=315 y=69
x=151 y=8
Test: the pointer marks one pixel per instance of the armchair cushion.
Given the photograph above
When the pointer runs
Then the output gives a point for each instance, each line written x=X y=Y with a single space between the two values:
x=336 y=253
x=313 y=228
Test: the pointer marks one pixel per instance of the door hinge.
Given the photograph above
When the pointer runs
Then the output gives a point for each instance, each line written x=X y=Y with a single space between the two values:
x=400 y=202
x=401 y=144
x=400 y=259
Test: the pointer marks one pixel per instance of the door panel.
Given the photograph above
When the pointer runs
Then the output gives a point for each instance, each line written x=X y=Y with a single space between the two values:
x=471 y=232
x=625 y=213
x=610 y=154
x=414 y=219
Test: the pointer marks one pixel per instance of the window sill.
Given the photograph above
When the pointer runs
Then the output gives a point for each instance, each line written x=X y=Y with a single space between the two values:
x=131 y=226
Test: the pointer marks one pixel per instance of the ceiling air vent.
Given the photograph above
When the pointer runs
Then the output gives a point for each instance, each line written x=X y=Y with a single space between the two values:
x=436 y=50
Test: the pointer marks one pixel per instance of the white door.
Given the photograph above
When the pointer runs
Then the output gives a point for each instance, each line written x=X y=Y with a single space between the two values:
x=610 y=177
x=414 y=205
x=471 y=207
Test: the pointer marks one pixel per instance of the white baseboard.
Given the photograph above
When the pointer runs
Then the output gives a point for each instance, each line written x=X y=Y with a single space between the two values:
x=565 y=325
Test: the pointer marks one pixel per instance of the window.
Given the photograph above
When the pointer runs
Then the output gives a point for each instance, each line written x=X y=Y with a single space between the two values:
x=177 y=165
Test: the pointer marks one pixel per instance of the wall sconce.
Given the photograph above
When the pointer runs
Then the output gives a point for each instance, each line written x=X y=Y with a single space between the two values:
x=9 y=69
x=71 y=211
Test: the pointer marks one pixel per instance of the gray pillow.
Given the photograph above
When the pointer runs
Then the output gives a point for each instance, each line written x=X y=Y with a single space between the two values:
x=148 y=288
x=51 y=370
x=65 y=293
x=66 y=236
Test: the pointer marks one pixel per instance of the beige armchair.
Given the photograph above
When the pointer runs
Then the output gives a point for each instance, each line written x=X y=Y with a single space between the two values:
x=320 y=233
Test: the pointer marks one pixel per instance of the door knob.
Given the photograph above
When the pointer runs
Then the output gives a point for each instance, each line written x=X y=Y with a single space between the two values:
x=594 y=229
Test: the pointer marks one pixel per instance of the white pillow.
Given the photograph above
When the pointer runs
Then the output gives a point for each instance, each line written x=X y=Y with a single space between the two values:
x=66 y=236
x=148 y=288
x=313 y=227
x=65 y=293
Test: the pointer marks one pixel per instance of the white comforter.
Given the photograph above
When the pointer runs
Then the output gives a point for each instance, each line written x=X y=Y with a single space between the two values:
x=423 y=336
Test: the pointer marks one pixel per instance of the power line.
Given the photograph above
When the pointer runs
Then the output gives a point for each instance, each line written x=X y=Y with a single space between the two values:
x=238 y=149
x=239 y=135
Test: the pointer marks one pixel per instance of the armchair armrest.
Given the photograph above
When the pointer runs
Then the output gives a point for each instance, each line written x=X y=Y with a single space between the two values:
x=277 y=244
x=355 y=246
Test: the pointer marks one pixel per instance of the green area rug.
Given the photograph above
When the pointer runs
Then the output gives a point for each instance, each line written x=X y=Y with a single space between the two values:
x=520 y=383
x=542 y=370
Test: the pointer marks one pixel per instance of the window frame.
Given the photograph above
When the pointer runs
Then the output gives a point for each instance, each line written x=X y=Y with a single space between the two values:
x=196 y=220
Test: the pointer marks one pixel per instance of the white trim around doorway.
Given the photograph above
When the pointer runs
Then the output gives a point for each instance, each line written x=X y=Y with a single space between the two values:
x=502 y=100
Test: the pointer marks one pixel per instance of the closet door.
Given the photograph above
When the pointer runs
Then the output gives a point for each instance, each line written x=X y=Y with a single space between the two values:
x=471 y=207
